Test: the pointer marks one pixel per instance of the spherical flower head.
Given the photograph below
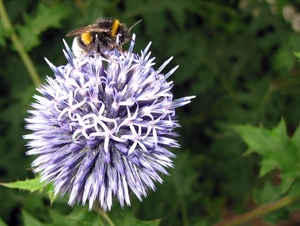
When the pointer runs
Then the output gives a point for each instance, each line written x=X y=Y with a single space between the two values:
x=101 y=127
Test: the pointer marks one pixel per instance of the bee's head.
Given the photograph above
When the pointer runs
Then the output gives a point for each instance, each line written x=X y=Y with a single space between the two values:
x=123 y=34
x=121 y=30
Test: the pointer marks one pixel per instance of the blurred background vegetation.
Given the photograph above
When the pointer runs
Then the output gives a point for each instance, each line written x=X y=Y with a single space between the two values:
x=235 y=56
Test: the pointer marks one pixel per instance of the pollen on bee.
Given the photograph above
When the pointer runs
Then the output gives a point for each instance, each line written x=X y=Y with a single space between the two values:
x=86 y=38
x=114 y=28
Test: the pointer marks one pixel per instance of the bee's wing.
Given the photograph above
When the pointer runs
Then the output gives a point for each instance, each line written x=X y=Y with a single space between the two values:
x=90 y=28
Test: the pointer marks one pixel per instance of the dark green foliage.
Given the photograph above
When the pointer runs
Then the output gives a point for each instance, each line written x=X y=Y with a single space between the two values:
x=237 y=57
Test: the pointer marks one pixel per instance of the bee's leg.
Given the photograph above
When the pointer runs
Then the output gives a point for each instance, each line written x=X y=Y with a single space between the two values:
x=100 y=49
x=107 y=57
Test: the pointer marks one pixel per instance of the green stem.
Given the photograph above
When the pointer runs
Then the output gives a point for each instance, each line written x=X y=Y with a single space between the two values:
x=103 y=214
x=19 y=47
x=258 y=212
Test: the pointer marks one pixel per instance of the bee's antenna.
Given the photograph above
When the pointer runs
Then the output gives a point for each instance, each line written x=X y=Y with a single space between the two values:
x=134 y=25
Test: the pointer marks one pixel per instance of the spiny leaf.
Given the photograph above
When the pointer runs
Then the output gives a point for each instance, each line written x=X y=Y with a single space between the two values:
x=33 y=185
x=297 y=54
x=81 y=216
x=277 y=150
x=29 y=184
x=50 y=191
x=125 y=217
x=28 y=220
x=267 y=194
x=45 y=18
x=2 y=223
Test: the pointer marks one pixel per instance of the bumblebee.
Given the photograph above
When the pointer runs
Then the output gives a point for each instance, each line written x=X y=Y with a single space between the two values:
x=105 y=34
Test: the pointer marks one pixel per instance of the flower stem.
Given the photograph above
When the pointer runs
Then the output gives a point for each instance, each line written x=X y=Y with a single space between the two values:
x=104 y=215
x=258 y=212
x=19 y=47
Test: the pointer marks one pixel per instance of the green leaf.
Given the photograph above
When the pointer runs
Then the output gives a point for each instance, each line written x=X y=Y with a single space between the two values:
x=29 y=184
x=276 y=149
x=35 y=25
x=33 y=185
x=297 y=54
x=28 y=220
x=82 y=216
x=296 y=139
x=2 y=223
x=267 y=165
x=295 y=188
x=125 y=217
x=268 y=193
x=50 y=190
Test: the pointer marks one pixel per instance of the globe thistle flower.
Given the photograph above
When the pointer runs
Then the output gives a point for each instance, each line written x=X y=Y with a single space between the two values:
x=101 y=127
